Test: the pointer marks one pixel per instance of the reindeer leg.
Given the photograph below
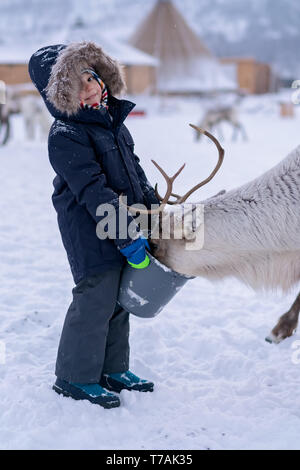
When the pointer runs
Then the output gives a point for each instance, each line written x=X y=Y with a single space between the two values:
x=286 y=325
x=219 y=130
x=4 y=130
x=235 y=133
x=197 y=134
x=245 y=137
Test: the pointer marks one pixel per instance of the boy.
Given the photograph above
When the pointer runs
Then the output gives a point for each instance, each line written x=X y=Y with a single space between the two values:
x=92 y=153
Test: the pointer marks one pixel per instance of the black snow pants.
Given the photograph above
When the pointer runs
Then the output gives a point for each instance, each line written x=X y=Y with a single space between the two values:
x=95 y=335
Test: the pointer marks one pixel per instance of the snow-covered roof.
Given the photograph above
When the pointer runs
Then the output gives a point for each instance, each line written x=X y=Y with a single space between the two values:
x=123 y=52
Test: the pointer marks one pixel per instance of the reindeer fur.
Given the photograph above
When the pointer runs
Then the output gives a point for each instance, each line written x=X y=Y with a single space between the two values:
x=251 y=232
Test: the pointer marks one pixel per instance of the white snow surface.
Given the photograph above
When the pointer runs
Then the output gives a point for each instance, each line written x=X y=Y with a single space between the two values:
x=218 y=384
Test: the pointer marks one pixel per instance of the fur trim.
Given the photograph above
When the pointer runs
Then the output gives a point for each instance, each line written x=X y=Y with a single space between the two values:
x=64 y=83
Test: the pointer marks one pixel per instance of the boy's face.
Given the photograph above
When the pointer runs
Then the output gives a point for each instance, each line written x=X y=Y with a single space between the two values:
x=90 y=89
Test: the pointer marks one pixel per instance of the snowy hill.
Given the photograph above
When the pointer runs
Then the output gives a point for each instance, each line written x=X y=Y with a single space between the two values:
x=266 y=29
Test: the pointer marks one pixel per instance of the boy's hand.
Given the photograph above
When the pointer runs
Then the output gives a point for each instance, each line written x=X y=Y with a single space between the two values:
x=136 y=253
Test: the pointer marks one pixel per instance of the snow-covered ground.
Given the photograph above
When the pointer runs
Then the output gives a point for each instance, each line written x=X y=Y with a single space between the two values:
x=218 y=384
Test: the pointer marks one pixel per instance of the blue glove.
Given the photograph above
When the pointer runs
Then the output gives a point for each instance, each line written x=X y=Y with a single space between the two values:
x=136 y=253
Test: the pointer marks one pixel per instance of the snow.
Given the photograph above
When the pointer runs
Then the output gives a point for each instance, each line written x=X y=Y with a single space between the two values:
x=218 y=384
x=136 y=297
x=197 y=75
x=162 y=266
x=62 y=127
x=227 y=27
x=119 y=50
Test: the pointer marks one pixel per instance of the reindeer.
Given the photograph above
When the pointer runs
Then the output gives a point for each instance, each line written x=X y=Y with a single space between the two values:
x=251 y=232
x=19 y=100
x=4 y=125
x=213 y=117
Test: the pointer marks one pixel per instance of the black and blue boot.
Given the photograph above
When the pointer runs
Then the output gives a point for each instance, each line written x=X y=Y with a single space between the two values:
x=91 y=392
x=125 y=381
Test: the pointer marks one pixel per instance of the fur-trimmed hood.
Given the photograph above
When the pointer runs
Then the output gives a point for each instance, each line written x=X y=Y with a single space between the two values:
x=56 y=72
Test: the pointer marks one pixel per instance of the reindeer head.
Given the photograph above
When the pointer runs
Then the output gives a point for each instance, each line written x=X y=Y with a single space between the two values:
x=179 y=224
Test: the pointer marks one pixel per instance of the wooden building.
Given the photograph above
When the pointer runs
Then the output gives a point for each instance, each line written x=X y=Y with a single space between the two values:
x=139 y=67
x=139 y=78
x=253 y=76
x=13 y=74
x=14 y=70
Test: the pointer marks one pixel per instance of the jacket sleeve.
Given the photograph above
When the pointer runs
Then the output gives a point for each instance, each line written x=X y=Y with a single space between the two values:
x=75 y=160
x=148 y=190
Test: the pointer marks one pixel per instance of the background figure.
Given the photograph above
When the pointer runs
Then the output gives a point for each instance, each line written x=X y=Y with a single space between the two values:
x=37 y=119
x=31 y=108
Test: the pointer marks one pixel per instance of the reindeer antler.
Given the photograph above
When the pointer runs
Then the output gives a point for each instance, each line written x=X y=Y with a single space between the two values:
x=170 y=180
x=181 y=199
x=164 y=200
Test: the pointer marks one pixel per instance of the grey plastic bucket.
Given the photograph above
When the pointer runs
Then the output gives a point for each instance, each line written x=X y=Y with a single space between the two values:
x=145 y=292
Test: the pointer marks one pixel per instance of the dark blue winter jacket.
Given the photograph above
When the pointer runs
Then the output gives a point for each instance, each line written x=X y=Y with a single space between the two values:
x=94 y=160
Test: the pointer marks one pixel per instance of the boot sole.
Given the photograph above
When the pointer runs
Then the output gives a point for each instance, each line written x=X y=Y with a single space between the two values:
x=60 y=391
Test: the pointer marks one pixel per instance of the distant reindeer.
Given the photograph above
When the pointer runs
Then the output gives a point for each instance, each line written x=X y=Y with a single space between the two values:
x=214 y=116
x=32 y=109
x=4 y=125
x=36 y=116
